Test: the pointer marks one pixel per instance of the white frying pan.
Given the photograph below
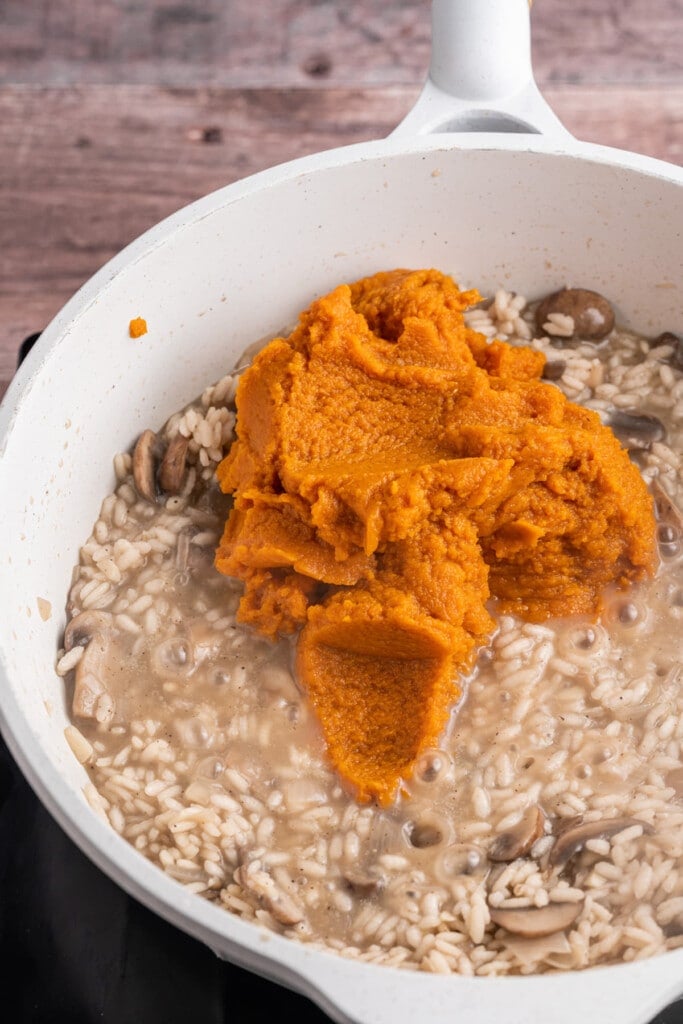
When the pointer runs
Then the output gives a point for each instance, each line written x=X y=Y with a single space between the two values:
x=480 y=180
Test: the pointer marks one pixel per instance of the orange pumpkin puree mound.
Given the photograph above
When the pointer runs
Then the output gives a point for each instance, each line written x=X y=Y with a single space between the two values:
x=393 y=471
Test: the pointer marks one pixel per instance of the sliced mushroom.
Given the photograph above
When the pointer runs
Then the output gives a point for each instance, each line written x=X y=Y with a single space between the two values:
x=517 y=842
x=363 y=883
x=592 y=314
x=82 y=628
x=669 y=338
x=92 y=630
x=554 y=369
x=673 y=929
x=665 y=338
x=423 y=834
x=674 y=778
x=636 y=430
x=494 y=874
x=529 y=952
x=574 y=839
x=260 y=884
x=534 y=922
x=172 y=469
x=144 y=473
x=88 y=686
x=677 y=355
x=666 y=508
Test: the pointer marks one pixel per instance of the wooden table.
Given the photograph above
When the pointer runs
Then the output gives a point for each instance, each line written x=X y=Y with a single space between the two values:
x=113 y=116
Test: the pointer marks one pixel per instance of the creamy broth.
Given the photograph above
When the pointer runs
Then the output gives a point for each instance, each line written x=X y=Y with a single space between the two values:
x=546 y=831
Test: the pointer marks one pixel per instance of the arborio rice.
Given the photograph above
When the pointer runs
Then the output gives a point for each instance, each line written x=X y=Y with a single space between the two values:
x=547 y=831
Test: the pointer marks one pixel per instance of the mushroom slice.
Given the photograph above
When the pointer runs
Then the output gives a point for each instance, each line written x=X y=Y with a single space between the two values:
x=143 y=465
x=260 y=884
x=592 y=314
x=83 y=627
x=635 y=430
x=172 y=469
x=88 y=686
x=674 y=778
x=534 y=922
x=574 y=839
x=517 y=842
x=554 y=369
x=665 y=338
x=666 y=508
x=532 y=951
x=669 y=338
x=363 y=883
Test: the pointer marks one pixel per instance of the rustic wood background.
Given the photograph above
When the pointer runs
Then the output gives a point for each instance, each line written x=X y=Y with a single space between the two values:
x=114 y=113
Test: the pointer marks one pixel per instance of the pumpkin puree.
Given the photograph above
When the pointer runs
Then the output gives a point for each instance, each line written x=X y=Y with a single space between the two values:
x=393 y=471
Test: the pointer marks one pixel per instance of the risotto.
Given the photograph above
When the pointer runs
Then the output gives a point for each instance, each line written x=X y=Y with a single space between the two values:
x=544 y=832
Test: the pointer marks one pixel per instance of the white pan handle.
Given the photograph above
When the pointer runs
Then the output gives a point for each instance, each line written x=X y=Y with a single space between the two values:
x=480 y=75
x=631 y=993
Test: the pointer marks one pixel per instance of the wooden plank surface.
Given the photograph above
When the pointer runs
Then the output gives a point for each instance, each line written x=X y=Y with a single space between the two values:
x=115 y=114
x=266 y=43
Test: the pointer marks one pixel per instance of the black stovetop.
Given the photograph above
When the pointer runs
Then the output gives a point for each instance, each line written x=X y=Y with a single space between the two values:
x=75 y=948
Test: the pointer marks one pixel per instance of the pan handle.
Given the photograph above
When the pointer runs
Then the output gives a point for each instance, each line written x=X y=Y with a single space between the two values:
x=480 y=75
x=632 y=993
